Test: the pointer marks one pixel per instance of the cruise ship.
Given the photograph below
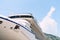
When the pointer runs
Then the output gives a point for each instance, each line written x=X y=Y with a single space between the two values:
x=20 y=27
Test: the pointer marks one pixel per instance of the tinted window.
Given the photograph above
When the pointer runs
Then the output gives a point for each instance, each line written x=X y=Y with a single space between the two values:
x=23 y=16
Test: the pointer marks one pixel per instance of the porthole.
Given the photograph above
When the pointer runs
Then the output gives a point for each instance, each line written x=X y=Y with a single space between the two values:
x=11 y=27
x=4 y=26
x=0 y=22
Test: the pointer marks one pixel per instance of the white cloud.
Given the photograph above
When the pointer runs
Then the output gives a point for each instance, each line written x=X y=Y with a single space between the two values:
x=51 y=11
x=48 y=24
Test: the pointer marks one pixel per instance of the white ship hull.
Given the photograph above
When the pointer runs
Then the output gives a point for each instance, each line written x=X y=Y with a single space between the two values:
x=7 y=31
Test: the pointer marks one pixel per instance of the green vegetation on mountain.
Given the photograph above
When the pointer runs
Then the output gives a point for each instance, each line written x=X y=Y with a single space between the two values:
x=52 y=37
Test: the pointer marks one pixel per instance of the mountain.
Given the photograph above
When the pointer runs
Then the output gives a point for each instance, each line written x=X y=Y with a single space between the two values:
x=52 y=37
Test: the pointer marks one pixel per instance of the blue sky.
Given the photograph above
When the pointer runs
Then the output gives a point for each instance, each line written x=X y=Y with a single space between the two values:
x=39 y=8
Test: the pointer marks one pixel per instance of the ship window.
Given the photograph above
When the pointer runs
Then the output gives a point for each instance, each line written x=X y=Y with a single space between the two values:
x=23 y=16
x=16 y=27
x=0 y=22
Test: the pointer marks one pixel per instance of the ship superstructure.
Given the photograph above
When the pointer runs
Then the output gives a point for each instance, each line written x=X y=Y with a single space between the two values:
x=33 y=24
x=20 y=27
